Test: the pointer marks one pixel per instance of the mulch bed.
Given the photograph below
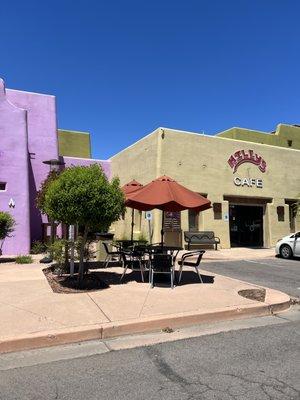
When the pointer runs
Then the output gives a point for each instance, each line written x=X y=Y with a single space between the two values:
x=254 y=294
x=7 y=260
x=65 y=284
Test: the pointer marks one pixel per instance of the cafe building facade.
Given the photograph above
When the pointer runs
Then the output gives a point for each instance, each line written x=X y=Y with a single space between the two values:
x=252 y=179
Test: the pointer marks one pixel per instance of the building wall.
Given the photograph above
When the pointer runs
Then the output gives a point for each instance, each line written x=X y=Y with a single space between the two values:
x=74 y=144
x=28 y=136
x=284 y=136
x=201 y=163
x=14 y=172
x=85 y=162
x=42 y=144
x=139 y=162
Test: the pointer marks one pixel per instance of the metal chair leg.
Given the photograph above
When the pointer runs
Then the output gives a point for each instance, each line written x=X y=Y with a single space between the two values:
x=152 y=275
x=124 y=272
x=108 y=258
x=198 y=272
x=142 y=270
x=180 y=273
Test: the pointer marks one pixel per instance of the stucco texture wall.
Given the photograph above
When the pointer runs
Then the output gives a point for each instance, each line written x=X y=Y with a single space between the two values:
x=14 y=172
x=42 y=144
x=85 y=162
x=74 y=144
x=138 y=162
x=201 y=163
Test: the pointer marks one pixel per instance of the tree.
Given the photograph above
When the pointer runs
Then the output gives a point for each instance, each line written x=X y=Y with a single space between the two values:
x=7 y=225
x=40 y=198
x=84 y=196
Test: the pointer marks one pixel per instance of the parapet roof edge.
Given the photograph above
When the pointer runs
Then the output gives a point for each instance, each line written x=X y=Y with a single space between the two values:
x=231 y=139
x=73 y=131
x=212 y=136
x=88 y=159
x=244 y=129
x=131 y=145
x=26 y=91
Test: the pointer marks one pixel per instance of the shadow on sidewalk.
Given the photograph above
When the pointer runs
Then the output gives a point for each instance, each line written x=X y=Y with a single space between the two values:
x=190 y=277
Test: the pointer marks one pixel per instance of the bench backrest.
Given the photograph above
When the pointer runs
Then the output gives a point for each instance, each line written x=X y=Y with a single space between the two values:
x=198 y=236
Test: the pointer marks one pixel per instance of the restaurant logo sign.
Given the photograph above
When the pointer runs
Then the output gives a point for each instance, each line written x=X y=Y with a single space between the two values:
x=246 y=156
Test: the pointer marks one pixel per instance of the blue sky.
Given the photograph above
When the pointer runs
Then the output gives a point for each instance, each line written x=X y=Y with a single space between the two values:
x=120 y=69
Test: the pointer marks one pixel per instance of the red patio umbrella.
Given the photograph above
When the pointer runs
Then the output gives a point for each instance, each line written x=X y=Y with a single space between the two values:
x=166 y=194
x=129 y=188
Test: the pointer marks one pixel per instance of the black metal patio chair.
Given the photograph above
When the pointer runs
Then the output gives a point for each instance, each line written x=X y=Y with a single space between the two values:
x=187 y=262
x=130 y=260
x=110 y=255
x=161 y=264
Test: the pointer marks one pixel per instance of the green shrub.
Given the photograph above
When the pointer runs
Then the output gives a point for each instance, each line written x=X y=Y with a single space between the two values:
x=23 y=259
x=142 y=238
x=7 y=225
x=38 y=247
x=57 y=251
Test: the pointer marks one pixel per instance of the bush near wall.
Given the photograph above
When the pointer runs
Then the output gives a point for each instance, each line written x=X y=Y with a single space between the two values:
x=7 y=225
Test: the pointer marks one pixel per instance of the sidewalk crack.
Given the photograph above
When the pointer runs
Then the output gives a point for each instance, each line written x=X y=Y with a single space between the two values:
x=106 y=316
x=146 y=298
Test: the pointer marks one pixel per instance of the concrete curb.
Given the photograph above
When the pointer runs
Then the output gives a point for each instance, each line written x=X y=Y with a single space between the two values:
x=276 y=302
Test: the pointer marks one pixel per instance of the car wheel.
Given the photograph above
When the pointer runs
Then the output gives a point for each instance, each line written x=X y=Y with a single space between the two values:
x=286 y=251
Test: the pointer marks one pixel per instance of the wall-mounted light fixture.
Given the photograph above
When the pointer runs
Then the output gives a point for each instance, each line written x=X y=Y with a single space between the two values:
x=54 y=164
x=11 y=203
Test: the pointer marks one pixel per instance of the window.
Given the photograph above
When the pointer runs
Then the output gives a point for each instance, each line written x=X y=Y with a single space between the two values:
x=193 y=221
x=2 y=186
x=217 y=208
x=280 y=213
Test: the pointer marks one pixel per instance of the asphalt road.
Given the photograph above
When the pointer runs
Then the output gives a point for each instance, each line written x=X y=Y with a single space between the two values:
x=274 y=273
x=260 y=363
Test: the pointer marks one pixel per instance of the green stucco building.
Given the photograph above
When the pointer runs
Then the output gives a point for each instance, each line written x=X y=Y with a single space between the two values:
x=74 y=143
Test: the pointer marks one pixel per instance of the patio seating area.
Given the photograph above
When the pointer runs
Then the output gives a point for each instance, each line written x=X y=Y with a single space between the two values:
x=152 y=259
x=167 y=195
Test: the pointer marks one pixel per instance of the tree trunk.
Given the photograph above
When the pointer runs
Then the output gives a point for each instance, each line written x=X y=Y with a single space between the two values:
x=81 y=263
x=66 y=237
x=52 y=234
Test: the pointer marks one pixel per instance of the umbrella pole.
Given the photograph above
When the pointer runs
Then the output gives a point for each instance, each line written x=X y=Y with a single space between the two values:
x=132 y=224
x=162 y=228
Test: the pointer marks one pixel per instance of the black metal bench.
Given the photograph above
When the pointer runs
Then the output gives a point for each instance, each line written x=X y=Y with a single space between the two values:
x=201 y=238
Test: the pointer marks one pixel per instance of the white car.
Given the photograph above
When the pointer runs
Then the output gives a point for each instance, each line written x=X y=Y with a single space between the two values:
x=289 y=246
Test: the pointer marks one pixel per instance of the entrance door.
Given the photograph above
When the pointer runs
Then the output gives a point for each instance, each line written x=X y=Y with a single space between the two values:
x=246 y=226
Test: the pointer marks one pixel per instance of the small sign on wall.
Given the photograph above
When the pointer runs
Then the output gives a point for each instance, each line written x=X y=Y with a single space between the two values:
x=148 y=215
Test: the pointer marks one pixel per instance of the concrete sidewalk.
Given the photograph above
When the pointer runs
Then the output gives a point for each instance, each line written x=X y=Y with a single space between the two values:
x=239 y=253
x=33 y=316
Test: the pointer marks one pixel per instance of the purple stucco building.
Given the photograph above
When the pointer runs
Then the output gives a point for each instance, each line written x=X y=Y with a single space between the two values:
x=29 y=136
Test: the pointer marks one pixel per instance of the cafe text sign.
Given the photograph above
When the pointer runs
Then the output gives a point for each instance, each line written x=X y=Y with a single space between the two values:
x=246 y=156
x=250 y=182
